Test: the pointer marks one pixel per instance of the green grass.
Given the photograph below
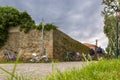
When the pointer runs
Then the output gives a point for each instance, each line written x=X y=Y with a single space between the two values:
x=95 y=70
x=102 y=70
x=12 y=74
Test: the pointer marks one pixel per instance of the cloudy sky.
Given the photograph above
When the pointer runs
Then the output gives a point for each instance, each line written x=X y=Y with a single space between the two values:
x=80 y=19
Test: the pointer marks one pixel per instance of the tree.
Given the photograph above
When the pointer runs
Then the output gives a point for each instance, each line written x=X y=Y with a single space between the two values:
x=26 y=21
x=10 y=16
x=3 y=35
x=109 y=23
x=109 y=30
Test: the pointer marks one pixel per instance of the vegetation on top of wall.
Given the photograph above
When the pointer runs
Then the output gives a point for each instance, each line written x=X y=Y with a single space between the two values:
x=11 y=17
x=47 y=26
x=26 y=21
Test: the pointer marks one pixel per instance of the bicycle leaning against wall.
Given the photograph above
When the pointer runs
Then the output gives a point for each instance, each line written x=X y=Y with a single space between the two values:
x=9 y=56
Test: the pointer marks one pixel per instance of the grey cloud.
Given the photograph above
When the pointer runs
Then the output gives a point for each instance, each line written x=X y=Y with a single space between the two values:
x=80 y=19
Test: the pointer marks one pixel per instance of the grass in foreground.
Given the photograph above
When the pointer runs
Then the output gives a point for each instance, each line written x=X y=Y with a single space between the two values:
x=98 y=70
x=102 y=70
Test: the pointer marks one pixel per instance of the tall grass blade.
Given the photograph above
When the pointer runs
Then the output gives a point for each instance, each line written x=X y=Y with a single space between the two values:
x=84 y=57
x=15 y=65
x=7 y=71
x=90 y=57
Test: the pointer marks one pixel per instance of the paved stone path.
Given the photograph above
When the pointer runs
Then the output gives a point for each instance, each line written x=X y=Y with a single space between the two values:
x=39 y=69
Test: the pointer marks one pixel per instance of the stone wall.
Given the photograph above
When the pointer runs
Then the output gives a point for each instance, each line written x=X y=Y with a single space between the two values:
x=30 y=42
x=63 y=44
x=56 y=43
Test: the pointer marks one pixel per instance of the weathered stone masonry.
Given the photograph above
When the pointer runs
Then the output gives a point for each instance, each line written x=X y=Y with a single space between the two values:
x=29 y=42
x=56 y=43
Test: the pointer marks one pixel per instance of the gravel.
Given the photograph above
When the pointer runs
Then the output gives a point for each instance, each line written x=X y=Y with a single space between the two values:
x=38 y=69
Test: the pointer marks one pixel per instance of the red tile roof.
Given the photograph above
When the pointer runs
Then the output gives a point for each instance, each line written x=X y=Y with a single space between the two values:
x=90 y=45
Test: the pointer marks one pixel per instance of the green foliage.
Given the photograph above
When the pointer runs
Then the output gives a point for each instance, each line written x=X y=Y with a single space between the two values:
x=26 y=21
x=109 y=30
x=47 y=26
x=50 y=26
x=69 y=56
x=10 y=16
x=12 y=74
x=39 y=27
x=110 y=6
x=3 y=35
x=102 y=70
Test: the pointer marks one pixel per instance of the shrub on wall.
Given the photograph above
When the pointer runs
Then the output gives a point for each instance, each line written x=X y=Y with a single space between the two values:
x=26 y=21
x=10 y=16
x=47 y=26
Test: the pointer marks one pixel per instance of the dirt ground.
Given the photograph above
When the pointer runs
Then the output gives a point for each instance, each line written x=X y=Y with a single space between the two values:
x=39 y=69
